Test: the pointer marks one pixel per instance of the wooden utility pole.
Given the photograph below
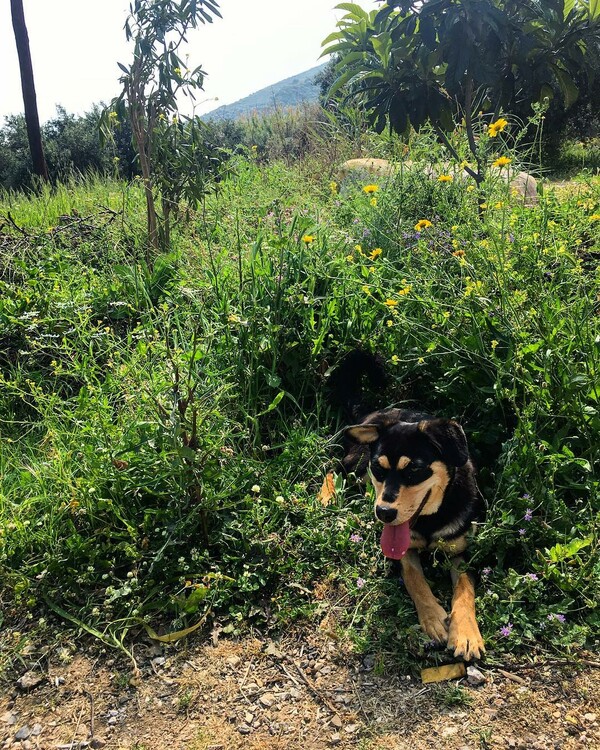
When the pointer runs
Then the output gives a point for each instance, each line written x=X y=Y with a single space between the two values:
x=32 y=120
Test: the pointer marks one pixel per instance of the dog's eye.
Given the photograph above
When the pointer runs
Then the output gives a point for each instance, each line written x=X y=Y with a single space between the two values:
x=415 y=473
x=378 y=471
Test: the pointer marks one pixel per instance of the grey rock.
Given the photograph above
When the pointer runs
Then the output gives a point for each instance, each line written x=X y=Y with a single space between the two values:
x=23 y=733
x=475 y=677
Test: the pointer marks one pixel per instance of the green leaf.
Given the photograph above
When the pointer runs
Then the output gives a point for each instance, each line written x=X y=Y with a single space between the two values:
x=382 y=44
x=594 y=9
x=561 y=552
x=333 y=37
x=428 y=32
x=568 y=6
x=567 y=85
x=273 y=405
x=354 y=10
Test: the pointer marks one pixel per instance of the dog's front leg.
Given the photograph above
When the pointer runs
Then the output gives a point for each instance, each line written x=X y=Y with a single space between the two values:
x=464 y=636
x=432 y=616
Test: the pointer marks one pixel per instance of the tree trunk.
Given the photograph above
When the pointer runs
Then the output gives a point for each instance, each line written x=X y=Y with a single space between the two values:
x=27 y=85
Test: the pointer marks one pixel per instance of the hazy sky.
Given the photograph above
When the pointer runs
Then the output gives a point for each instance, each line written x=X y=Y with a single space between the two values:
x=75 y=46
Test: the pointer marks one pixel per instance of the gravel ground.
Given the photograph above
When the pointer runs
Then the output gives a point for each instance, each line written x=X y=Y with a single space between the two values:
x=307 y=692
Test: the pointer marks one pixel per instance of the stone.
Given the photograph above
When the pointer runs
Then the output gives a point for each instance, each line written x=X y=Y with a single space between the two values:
x=23 y=733
x=30 y=680
x=267 y=700
x=273 y=651
x=522 y=184
x=475 y=677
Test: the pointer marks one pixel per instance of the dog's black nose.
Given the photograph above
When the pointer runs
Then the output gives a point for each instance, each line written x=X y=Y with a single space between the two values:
x=385 y=513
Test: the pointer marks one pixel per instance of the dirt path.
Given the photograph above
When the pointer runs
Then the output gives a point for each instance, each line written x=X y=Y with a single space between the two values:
x=308 y=693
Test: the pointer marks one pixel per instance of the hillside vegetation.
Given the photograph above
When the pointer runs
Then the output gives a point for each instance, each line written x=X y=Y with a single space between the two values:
x=290 y=92
x=165 y=426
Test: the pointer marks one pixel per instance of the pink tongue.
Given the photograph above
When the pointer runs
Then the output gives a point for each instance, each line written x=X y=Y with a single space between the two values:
x=395 y=540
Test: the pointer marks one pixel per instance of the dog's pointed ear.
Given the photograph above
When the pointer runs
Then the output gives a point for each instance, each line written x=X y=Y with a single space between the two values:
x=449 y=438
x=363 y=433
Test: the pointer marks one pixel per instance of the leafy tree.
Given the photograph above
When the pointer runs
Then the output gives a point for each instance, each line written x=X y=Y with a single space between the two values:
x=28 y=87
x=429 y=61
x=169 y=154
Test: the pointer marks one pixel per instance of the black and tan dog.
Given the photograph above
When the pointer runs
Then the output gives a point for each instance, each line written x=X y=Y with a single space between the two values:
x=426 y=496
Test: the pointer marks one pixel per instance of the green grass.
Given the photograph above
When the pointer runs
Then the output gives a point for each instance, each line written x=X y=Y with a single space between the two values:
x=165 y=429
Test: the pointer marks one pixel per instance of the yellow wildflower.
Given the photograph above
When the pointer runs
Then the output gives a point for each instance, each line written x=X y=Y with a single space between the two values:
x=497 y=127
x=333 y=186
x=370 y=188
x=502 y=161
x=470 y=188
x=458 y=253
x=405 y=290
x=350 y=258
x=373 y=201
x=366 y=290
x=391 y=302
x=375 y=253
x=177 y=71
x=445 y=178
x=389 y=323
x=308 y=238
x=395 y=360
x=358 y=249
x=423 y=224
x=494 y=344
x=595 y=217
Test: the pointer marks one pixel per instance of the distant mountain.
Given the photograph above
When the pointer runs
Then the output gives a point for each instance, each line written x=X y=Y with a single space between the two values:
x=287 y=93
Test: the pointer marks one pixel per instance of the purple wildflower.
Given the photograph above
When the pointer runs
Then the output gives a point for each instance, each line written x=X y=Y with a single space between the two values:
x=486 y=571
x=532 y=576
x=356 y=538
x=366 y=232
x=522 y=532
x=528 y=515
x=360 y=582
x=526 y=496
x=560 y=618
x=506 y=630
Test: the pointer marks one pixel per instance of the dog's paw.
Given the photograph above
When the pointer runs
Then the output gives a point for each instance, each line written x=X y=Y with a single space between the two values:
x=464 y=637
x=434 y=622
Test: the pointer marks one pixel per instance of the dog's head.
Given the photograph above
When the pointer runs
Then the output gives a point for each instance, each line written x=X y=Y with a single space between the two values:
x=411 y=463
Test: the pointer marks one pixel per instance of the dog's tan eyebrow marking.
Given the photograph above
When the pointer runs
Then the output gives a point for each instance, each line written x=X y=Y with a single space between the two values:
x=384 y=462
x=403 y=462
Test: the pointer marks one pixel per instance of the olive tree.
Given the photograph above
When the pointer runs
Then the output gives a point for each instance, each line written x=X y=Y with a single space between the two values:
x=170 y=148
